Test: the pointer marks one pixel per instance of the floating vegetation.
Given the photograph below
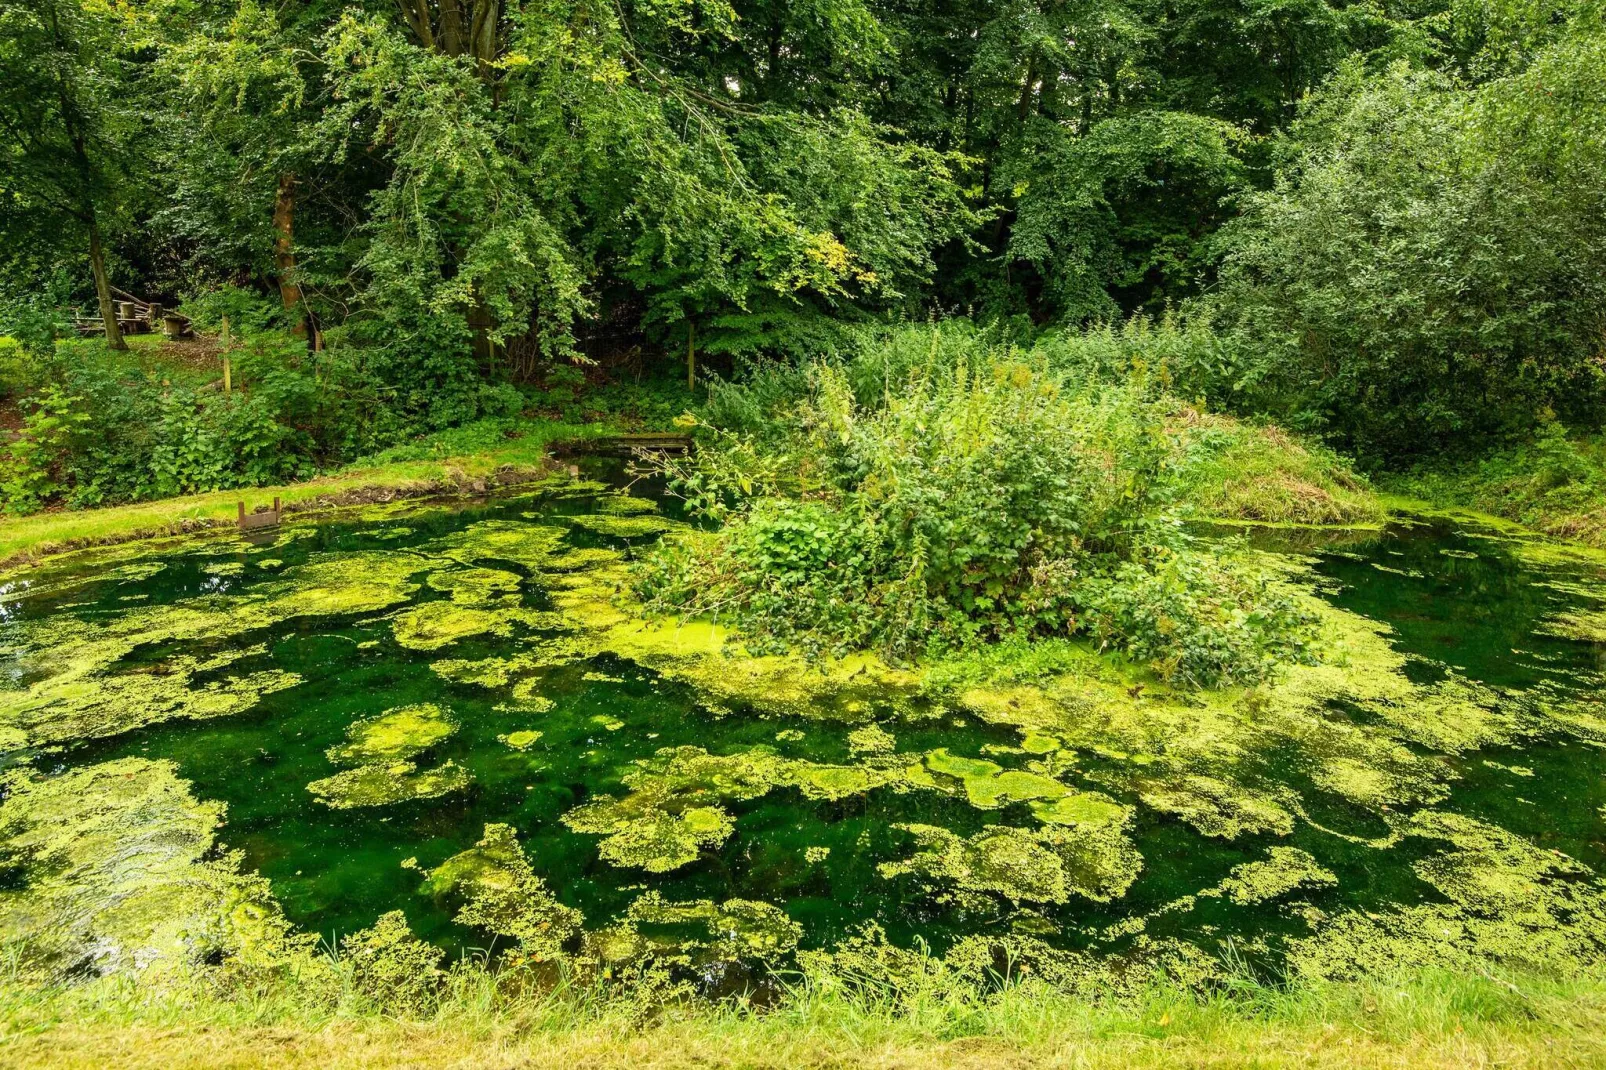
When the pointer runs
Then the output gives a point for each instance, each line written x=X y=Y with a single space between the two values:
x=106 y=875
x=623 y=527
x=1052 y=806
x=501 y=894
x=1047 y=865
x=523 y=739
x=434 y=625
x=654 y=929
x=385 y=784
x=394 y=735
x=475 y=586
x=1284 y=870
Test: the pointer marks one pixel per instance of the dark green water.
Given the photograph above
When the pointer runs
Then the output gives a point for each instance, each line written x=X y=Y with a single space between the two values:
x=1473 y=610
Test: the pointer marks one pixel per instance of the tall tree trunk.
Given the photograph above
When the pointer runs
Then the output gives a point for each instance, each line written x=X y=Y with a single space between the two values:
x=284 y=254
x=482 y=34
x=450 y=39
x=416 y=14
x=103 y=289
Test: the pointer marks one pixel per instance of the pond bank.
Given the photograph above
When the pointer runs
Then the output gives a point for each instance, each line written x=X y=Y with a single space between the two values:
x=1429 y=1022
x=27 y=539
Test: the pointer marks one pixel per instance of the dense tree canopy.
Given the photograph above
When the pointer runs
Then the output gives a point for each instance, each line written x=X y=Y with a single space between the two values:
x=1390 y=210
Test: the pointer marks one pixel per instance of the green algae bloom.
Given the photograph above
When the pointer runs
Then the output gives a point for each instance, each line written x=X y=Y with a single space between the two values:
x=394 y=735
x=1284 y=870
x=112 y=877
x=385 y=784
x=871 y=739
x=1043 y=866
x=1082 y=765
x=660 y=932
x=501 y=894
x=434 y=625
x=623 y=527
x=475 y=586
x=80 y=688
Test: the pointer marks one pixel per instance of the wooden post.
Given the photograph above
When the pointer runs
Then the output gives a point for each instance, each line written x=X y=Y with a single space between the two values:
x=228 y=384
x=691 y=354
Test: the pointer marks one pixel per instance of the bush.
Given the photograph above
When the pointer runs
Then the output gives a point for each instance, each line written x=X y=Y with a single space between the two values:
x=939 y=490
x=1431 y=269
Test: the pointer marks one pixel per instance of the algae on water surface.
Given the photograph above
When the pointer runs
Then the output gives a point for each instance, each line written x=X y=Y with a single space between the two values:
x=481 y=700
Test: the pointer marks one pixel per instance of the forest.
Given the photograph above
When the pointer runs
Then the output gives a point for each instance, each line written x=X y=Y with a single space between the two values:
x=804 y=532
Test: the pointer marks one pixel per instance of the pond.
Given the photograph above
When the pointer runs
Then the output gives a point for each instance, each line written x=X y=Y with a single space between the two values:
x=365 y=697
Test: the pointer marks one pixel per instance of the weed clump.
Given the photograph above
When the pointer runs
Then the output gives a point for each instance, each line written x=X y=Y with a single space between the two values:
x=920 y=501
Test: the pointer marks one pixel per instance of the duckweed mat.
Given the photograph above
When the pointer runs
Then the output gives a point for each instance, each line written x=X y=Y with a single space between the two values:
x=216 y=749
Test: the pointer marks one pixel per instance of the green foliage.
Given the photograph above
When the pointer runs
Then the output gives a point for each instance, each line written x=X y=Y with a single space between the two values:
x=34 y=462
x=1200 y=617
x=1125 y=209
x=939 y=490
x=1432 y=267
x=1555 y=483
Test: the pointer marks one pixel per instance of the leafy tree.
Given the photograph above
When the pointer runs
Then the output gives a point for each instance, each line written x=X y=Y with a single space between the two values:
x=69 y=118
x=1432 y=267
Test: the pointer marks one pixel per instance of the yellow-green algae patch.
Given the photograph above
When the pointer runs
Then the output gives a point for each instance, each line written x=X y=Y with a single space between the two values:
x=1204 y=757
x=624 y=505
x=523 y=739
x=1046 y=865
x=672 y=811
x=110 y=875
x=387 y=783
x=623 y=527
x=1498 y=900
x=394 y=735
x=475 y=586
x=1283 y=870
x=988 y=785
x=666 y=932
x=69 y=685
x=500 y=893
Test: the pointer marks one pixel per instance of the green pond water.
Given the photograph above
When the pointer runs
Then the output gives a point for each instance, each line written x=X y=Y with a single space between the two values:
x=1462 y=605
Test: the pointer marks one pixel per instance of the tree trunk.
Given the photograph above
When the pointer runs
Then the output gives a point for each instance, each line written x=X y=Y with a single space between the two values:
x=416 y=15
x=691 y=355
x=450 y=39
x=103 y=289
x=284 y=254
x=482 y=34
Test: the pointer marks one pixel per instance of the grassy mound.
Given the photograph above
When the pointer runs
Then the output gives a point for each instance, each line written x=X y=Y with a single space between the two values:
x=1262 y=474
x=938 y=489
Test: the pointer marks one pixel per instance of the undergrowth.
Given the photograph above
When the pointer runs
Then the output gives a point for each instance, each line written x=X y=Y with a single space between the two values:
x=483 y=1017
x=938 y=489
x=1555 y=483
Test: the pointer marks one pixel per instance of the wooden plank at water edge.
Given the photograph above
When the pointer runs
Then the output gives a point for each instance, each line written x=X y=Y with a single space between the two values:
x=262 y=518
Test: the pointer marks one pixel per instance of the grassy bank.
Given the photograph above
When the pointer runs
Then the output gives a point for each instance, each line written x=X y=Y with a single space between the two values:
x=468 y=460
x=1555 y=484
x=1431 y=1020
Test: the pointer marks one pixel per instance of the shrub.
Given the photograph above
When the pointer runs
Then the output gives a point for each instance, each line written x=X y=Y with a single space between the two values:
x=939 y=490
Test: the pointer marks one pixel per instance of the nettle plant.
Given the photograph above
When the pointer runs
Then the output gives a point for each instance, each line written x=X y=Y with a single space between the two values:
x=982 y=494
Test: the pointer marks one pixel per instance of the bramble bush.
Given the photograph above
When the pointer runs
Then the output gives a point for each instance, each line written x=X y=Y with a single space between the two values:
x=937 y=489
